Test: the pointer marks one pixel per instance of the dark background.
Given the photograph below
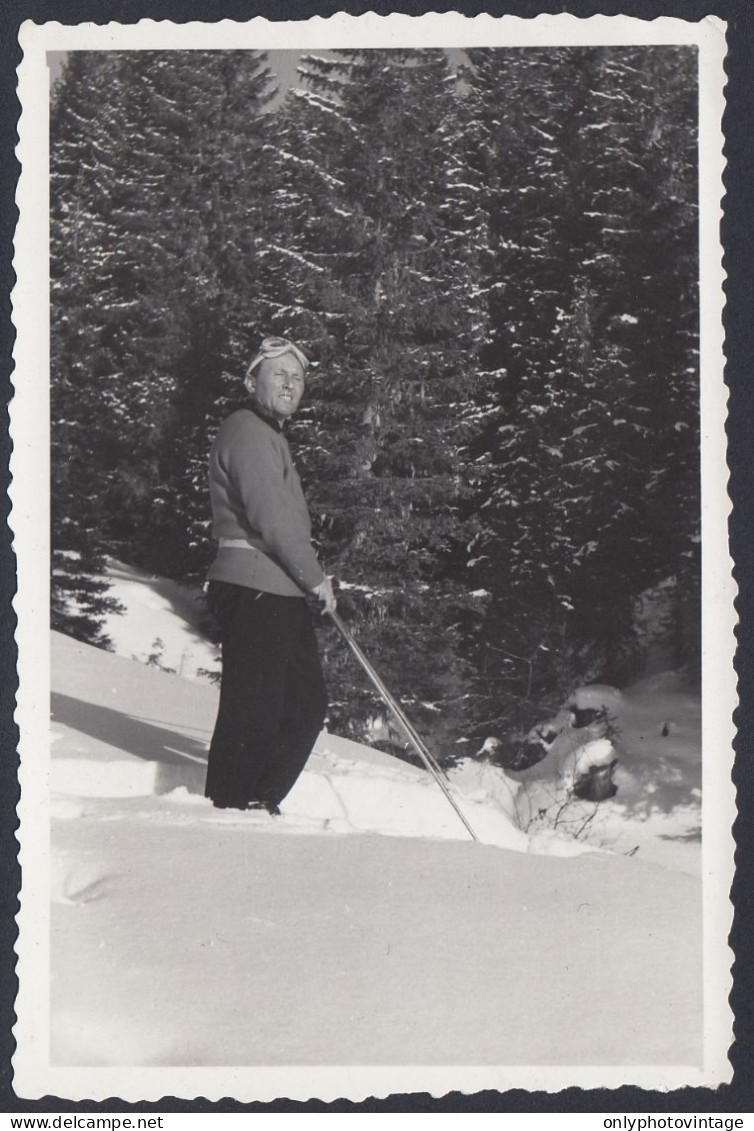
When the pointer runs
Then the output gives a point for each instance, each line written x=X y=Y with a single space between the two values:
x=739 y=243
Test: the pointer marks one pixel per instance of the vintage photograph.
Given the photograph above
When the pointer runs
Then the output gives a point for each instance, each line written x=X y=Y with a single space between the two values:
x=384 y=407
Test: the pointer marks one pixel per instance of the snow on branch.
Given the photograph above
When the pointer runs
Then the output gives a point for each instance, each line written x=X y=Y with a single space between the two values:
x=325 y=104
x=297 y=256
x=306 y=163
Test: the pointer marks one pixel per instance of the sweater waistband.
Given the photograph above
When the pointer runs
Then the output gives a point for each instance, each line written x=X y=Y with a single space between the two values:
x=235 y=543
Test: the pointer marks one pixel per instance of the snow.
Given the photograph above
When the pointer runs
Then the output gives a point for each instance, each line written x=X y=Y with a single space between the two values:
x=596 y=696
x=184 y=935
x=108 y=743
x=158 y=610
x=298 y=257
x=656 y=812
x=176 y=944
x=361 y=927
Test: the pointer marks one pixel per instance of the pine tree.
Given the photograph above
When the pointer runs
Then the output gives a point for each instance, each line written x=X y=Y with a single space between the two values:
x=586 y=162
x=78 y=448
x=156 y=181
x=379 y=263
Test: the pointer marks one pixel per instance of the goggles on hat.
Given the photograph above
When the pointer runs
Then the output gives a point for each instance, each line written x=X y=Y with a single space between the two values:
x=276 y=347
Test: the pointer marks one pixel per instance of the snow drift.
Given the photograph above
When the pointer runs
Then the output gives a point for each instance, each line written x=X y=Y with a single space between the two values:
x=187 y=936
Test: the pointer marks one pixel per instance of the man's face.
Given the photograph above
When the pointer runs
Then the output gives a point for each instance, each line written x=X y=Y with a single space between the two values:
x=278 y=385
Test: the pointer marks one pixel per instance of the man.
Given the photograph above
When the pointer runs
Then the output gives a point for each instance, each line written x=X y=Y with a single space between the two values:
x=273 y=698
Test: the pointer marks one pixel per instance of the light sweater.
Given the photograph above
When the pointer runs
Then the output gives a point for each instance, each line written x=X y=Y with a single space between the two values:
x=257 y=497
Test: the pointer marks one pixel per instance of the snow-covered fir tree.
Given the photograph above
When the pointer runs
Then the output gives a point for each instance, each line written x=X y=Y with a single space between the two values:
x=586 y=162
x=378 y=241
x=156 y=182
x=80 y=393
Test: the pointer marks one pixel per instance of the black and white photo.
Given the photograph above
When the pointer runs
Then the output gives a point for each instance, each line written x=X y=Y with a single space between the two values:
x=384 y=406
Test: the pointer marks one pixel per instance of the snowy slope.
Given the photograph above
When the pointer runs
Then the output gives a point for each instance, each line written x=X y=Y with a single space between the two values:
x=656 y=813
x=160 y=619
x=184 y=936
x=181 y=941
x=121 y=729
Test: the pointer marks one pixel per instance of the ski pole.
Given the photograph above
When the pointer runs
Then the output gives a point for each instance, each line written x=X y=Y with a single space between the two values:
x=419 y=746
x=412 y=735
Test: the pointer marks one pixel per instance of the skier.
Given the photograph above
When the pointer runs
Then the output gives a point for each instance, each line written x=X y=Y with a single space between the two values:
x=273 y=697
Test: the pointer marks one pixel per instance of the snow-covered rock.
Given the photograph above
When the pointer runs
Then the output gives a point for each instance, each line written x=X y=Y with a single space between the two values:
x=598 y=752
x=597 y=696
x=634 y=790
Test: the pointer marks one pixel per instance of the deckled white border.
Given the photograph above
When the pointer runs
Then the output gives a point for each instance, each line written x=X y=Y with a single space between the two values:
x=34 y=1076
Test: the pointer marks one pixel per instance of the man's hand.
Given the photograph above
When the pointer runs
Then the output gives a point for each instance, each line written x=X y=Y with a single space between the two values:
x=323 y=592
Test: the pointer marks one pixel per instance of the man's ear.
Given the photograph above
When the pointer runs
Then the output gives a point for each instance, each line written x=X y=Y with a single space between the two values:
x=249 y=383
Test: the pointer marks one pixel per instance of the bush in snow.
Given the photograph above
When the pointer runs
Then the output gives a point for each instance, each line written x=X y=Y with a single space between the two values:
x=566 y=765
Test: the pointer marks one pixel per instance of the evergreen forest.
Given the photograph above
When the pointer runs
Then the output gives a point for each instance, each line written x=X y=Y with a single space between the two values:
x=495 y=268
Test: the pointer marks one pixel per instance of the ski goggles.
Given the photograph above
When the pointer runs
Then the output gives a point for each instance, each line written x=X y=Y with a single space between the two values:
x=276 y=347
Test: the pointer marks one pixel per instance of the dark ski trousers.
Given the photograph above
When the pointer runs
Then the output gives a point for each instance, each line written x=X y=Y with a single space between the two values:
x=273 y=698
